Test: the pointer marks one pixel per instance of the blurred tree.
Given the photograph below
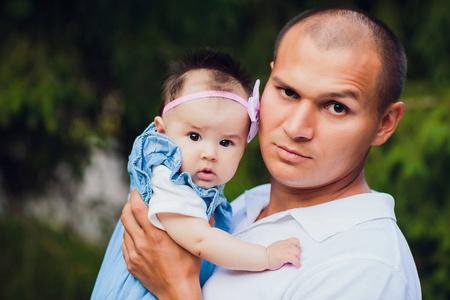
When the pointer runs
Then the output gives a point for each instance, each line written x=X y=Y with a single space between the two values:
x=47 y=110
x=51 y=97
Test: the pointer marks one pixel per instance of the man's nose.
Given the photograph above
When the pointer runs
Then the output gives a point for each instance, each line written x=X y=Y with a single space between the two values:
x=299 y=124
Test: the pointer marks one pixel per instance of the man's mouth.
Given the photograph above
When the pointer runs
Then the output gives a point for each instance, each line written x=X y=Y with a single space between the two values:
x=290 y=155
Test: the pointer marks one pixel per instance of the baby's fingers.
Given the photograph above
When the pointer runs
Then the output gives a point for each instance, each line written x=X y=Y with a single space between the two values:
x=295 y=261
x=294 y=241
x=294 y=250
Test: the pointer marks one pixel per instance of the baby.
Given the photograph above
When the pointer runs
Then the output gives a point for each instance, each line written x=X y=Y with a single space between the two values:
x=181 y=162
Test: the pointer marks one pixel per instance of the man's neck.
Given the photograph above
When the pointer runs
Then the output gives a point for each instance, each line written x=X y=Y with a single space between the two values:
x=283 y=197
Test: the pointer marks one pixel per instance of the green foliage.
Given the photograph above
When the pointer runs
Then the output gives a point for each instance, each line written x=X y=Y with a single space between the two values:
x=45 y=107
x=42 y=263
x=414 y=166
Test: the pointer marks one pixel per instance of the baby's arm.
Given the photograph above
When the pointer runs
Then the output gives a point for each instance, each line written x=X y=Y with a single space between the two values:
x=222 y=249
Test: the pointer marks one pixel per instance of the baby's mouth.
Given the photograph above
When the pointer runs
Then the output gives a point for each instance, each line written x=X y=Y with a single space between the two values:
x=206 y=174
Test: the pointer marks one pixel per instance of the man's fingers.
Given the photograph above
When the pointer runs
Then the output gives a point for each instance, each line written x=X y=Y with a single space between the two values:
x=142 y=233
x=124 y=247
x=212 y=222
x=139 y=210
x=130 y=224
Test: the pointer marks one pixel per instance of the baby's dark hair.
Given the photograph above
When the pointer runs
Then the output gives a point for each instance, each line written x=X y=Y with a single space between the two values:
x=225 y=70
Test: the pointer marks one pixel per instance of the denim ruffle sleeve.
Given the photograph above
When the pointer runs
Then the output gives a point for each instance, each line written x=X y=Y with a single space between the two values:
x=151 y=149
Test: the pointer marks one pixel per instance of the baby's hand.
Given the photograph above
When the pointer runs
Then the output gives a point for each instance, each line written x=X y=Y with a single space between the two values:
x=282 y=252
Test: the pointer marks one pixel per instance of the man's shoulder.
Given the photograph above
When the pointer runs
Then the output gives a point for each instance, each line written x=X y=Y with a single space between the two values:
x=250 y=203
x=258 y=193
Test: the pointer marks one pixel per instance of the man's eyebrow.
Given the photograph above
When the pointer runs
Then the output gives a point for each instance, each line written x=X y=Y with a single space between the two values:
x=337 y=95
x=342 y=94
x=281 y=83
x=278 y=81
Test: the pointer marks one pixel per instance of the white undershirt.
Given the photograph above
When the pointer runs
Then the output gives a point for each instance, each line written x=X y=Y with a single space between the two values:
x=169 y=197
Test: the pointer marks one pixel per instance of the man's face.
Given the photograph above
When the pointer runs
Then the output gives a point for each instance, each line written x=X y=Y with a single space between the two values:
x=318 y=113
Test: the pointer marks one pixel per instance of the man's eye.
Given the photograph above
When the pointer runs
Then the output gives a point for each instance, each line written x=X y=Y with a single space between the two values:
x=226 y=143
x=194 y=137
x=337 y=109
x=288 y=93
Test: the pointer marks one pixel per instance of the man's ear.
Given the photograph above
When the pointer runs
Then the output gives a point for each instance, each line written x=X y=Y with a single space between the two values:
x=159 y=124
x=389 y=122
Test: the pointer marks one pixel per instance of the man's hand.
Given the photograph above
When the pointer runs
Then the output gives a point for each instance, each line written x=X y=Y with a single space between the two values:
x=163 y=267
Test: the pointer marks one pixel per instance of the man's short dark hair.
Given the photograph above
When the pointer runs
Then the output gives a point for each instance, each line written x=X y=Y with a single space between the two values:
x=225 y=71
x=392 y=76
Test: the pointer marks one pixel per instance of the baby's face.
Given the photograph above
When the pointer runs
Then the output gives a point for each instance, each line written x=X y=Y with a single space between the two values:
x=211 y=134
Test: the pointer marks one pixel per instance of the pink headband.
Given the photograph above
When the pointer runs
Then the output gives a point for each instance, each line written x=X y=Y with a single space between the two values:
x=253 y=105
x=204 y=94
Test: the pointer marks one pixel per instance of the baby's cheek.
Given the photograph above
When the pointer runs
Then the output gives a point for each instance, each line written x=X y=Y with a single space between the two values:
x=232 y=168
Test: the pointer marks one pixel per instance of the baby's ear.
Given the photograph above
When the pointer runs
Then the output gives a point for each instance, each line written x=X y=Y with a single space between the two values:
x=159 y=124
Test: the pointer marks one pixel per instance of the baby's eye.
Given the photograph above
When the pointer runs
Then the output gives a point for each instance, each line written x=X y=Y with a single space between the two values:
x=288 y=93
x=194 y=136
x=226 y=143
x=337 y=108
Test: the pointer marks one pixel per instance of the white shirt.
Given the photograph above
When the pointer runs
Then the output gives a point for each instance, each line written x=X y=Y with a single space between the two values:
x=169 y=197
x=352 y=248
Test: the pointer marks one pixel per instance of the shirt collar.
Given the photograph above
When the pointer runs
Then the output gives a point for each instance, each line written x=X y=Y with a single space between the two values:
x=255 y=201
x=325 y=220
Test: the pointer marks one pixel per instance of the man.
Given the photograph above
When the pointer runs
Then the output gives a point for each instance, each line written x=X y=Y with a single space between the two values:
x=336 y=78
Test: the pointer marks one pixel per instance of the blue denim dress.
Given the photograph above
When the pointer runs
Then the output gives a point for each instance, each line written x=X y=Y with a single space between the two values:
x=151 y=149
